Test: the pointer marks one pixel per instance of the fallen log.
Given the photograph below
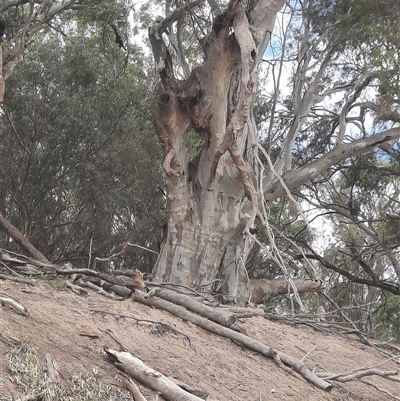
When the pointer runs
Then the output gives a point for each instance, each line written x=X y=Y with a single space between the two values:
x=18 y=279
x=6 y=299
x=226 y=319
x=149 y=377
x=240 y=338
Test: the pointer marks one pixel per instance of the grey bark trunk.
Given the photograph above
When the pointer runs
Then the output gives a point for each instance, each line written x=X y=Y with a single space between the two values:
x=212 y=200
x=207 y=224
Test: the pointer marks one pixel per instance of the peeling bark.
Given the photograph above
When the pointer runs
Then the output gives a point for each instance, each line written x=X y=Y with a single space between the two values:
x=213 y=199
x=204 y=202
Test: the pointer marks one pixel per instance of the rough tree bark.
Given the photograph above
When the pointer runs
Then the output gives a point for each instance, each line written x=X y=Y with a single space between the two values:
x=212 y=200
x=206 y=219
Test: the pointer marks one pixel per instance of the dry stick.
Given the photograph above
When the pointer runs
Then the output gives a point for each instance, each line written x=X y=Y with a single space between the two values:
x=181 y=384
x=111 y=334
x=284 y=367
x=235 y=336
x=189 y=389
x=329 y=376
x=167 y=326
x=309 y=353
x=75 y=288
x=9 y=269
x=133 y=389
x=343 y=378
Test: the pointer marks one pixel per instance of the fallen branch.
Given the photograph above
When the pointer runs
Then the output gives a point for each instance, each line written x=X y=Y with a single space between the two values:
x=99 y=290
x=117 y=289
x=18 y=279
x=5 y=299
x=226 y=319
x=309 y=353
x=346 y=377
x=189 y=389
x=76 y=289
x=235 y=336
x=112 y=335
x=149 y=377
x=380 y=389
x=133 y=389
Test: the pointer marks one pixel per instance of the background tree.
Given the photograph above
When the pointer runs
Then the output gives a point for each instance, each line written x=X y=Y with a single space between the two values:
x=77 y=155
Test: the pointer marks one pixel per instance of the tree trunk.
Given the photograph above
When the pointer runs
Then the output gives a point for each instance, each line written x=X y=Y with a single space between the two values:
x=21 y=240
x=212 y=200
x=207 y=219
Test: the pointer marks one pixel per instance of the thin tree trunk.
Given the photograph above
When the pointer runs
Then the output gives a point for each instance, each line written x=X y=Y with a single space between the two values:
x=19 y=238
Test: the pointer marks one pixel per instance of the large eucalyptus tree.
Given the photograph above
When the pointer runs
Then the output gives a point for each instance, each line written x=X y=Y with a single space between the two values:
x=214 y=198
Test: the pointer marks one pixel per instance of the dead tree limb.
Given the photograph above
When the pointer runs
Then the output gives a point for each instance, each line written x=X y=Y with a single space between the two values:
x=346 y=377
x=149 y=377
x=235 y=336
x=6 y=299
x=380 y=389
x=133 y=389
x=226 y=319
x=18 y=279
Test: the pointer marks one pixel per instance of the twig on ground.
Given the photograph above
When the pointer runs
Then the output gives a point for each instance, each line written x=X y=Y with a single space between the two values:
x=112 y=335
x=357 y=374
x=138 y=320
x=309 y=353
x=380 y=389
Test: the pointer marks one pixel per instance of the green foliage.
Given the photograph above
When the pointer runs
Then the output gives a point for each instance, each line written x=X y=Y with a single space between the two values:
x=99 y=11
x=387 y=318
x=78 y=156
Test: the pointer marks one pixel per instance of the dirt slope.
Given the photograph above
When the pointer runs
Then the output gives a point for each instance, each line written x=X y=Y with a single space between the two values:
x=224 y=369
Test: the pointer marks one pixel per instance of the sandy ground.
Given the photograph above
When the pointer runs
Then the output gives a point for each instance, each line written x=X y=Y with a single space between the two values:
x=227 y=371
